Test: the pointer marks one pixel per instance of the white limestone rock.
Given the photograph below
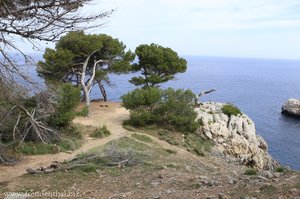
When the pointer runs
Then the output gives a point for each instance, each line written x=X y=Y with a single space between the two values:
x=235 y=135
x=291 y=107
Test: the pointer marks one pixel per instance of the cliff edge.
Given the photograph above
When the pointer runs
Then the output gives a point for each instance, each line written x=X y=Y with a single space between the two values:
x=234 y=136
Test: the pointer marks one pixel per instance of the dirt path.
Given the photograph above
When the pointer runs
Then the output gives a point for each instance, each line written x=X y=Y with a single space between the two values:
x=112 y=116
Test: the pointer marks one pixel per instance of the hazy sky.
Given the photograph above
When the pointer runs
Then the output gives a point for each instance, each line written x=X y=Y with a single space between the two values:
x=236 y=28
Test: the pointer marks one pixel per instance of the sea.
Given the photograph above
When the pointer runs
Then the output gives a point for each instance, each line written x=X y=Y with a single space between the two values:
x=258 y=87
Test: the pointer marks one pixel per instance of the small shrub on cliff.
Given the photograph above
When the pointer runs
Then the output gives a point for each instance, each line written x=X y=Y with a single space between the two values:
x=230 y=109
x=280 y=170
x=250 y=172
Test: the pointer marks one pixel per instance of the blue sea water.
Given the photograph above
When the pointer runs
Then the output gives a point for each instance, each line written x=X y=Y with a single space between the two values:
x=258 y=87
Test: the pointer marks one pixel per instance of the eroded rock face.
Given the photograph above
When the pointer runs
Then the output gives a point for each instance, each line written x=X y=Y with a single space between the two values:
x=234 y=135
x=291 y=107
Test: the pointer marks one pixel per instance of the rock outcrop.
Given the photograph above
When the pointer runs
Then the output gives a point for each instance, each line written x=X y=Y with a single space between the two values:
x=234 y=136
x=291 y=107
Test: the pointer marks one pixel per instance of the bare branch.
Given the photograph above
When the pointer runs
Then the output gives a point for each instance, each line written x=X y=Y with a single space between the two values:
x=39 y=20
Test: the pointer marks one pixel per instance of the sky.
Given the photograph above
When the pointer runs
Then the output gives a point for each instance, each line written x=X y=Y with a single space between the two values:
x=229 y=28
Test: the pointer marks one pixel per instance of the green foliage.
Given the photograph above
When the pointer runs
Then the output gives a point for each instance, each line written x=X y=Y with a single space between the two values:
x=171 y=108
x=141 y=118
x=30 y=148
x=197 y=145
x=157 y=65
x=280 y=169
x=65 y=61
x=142 y=98
x=143 y=138
x=250 y=172
x=230 y=109
x=57 y=63
x=72 y=131
x=100 y=132
x=69 y=97
x=177 y=109
x=69 y=144
x=83 y=112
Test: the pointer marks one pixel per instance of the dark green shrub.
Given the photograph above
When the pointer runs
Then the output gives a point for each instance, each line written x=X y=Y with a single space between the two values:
x=100 y=132
x=141 y=118
x=250 y=172
x=69 y=98
x=230 y=109
x=170 y=108
x=141 y=98
x=280 y=170
x=177 y=109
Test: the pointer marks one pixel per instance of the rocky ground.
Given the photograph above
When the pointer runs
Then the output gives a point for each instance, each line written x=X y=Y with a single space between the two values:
x=163 y=170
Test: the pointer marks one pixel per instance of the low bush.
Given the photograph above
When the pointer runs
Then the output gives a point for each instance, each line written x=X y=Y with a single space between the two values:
x=250 y=172
x=72 y=131
x=141 y=118
x=230 y=109
x=280 y=170
x=30 y=148
x=142 y=98
x=173 y=109
x=100 y=132
x=68 y=100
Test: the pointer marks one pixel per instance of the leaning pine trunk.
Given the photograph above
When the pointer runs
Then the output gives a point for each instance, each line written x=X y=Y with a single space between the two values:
x=103 y=92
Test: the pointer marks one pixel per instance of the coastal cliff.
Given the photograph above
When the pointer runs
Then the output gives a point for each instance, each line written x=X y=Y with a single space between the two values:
x=234 y=135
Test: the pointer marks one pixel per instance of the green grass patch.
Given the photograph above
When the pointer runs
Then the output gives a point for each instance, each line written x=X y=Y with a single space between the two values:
x=73 y=131
x=30 y=148
x=297 y=186
x=170 y=151
x=66 y=144
x=230 y=109
x=87 y=168
x=108 y=156
x=143 y=138
x=197 y=145
x=128 y=127
x=268 y=190
x=100 y=132
x=250 y=172
x=126 y=143
x=83 y=112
